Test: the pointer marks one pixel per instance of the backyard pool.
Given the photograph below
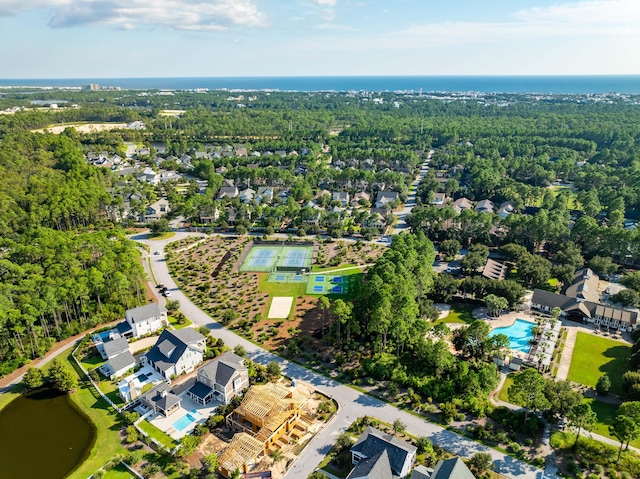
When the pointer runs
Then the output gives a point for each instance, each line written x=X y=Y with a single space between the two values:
x=186 y=420
x=519 y=334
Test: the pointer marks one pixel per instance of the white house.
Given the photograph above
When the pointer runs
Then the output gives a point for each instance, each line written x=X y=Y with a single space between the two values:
x=144 y=320
x=373 y=441
x=386 y=198
x=220 y=379
x=118 y=365
x=156 y=210
x=176 y=352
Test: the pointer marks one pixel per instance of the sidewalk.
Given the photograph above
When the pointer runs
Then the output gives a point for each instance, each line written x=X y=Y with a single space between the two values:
x=567 y=353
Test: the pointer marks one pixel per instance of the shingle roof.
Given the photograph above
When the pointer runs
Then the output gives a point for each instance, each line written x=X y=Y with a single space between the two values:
x=121 y=361
x=170 y=346
x=115 y=347
x=142 y=313
x=372 y=441
x=222 y=369
x=421 y=472
x=453 y=468
x=376 y=467
x=201 y=390
x=162 y=397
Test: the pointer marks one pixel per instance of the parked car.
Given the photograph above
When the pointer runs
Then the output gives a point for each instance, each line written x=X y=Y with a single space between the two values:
x=166 y=293
x=160 y=286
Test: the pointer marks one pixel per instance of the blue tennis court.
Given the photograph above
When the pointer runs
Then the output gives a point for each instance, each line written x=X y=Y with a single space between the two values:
x=318 y=289
x=336 y=289
x=319 y=279
x=280 y=277
x=298 y=278
x=337 y=279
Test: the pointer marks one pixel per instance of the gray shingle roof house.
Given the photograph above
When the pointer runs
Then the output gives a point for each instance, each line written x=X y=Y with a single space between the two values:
x=161 y=399
x=114 y=347
x=118 y=365
x=373 y=441
x=385 y=198
x=376 y=467
x=221 y=379
x=421 y=472
x=453 y=468
x=484 y=206
x=145 y=319
x=176 y=352
x=580 y=302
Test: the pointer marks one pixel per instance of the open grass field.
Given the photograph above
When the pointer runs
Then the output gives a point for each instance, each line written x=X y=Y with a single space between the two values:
x=460 y=313
x=594 y=356
x=107 y=425
x=504 y=395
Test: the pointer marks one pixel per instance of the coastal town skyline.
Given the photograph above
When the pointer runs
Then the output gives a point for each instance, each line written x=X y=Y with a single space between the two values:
x=83 y=38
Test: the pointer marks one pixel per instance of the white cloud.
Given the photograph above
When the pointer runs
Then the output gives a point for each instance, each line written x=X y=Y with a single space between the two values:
x=326 y=3
x=587 y=18
x=194 y=15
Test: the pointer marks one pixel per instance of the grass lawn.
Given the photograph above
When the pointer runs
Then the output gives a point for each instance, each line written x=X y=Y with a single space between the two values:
x=158 y=435
x=320 y=269
x=503 y=395
x=281 y=289
x=460 y=313
x=106 y=422
x=606 y=413
x=10 y=395
x=118 y=472
x=174 y=322
x=594 y=356
x=108 y=387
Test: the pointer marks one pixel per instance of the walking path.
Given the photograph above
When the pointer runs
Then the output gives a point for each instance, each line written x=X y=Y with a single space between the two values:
x=362 y=266
x=567 y=353
x=352 y=403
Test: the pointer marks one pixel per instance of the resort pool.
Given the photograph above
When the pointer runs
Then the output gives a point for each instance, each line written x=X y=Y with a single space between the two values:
x=184 y=422
x=519 y=334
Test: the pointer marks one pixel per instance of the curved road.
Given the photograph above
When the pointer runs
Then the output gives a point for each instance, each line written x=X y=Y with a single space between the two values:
x=352 y=403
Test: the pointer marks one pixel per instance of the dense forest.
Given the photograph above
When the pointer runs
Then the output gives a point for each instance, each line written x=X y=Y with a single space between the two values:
x=63 y=268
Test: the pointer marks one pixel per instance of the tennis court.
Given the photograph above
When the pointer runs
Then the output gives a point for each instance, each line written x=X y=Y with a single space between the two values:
x=278 y=258
x=286 y=278
x=324 y=284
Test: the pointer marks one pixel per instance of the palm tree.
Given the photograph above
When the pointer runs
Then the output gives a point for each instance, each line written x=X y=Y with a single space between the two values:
x=277 y=456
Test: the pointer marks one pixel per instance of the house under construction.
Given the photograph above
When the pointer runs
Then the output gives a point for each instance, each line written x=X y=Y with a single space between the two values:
x=267 y=412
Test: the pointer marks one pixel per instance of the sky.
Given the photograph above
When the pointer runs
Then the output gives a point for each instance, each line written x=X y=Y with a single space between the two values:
x=190 y=38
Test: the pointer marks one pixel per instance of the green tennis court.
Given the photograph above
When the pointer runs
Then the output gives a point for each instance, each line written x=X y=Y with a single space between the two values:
x=327 y=284
x=278 y=258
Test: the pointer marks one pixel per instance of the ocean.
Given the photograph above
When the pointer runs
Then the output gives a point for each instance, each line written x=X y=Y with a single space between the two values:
x=623 y=84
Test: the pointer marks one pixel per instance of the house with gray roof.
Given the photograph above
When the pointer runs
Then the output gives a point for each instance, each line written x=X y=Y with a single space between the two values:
x=386 y=198
x=376 y=467
x=176 y=352
x=453 y=468
x=118 y=365
x=341 y=196
x=144 y=320
x=160 y=399
x=373 y=441
x=580 y=302
x=222 y=379
x=484 y=206
x=227 y=192
x=110 y=349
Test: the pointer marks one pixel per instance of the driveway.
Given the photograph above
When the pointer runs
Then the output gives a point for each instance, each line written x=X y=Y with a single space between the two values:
x=352 y=403
x=401 y=224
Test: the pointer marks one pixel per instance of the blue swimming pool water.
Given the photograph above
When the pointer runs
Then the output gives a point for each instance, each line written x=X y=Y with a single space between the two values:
x=519 y=334
x=184 y=422
x=196 y=413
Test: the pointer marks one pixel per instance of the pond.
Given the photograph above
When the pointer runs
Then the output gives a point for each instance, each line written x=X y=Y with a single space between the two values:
x=43 y=436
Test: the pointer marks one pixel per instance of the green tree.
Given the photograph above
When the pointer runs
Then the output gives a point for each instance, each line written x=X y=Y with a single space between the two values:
x=173 y=305
x=581 y=416
x=33 y=378
x=277 y=456
x=160 y=226
x=562 y=397
x=211 y=462
x=449 y=249
x=495 y=304
x=480 y=463
x=240 y=351
x=273 y=370
x=61 y=376
x=603 y=385
x=625 y=429
x=188 y=445
x=398 y=427
x=528 y=389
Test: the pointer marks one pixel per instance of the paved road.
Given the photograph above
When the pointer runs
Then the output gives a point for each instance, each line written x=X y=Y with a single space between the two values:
x=401 y=224
x=352 y=403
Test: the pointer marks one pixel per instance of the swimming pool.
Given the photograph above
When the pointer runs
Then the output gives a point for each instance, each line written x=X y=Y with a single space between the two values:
x=184 y=422
x=519 y=334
